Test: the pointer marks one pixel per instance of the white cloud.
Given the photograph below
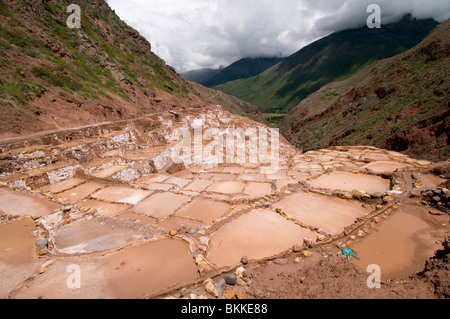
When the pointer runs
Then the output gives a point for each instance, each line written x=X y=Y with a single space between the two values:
x=209 y=33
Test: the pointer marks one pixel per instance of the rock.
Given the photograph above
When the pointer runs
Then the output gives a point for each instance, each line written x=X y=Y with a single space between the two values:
x=302 y=280
x=376 y=195
x=173 y=233
x=202 y=265
x=361 y=233
x=244 y=260
x=241 y=282
x=415 y=192
x=308 y=242
x=241 y=294
x=241 y=272
x=416 y=176
x=306 y=253
x=297 y=248
x=435 y=213
x=281 y=261
x=228 y=294
x=376 y=220
x=321 y=238
x=446 y=244
x=211 y=288
x=379 y=207
x=230 y=279
x=204 y=240
x=258 y=294
x=387 y=199
x=41 y=242
x=297 y=260
x=436 y=199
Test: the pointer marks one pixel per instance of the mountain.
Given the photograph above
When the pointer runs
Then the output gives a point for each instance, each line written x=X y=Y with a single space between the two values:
x=242 y=69
x=330 y=59
x=54 y=77
x=200 y=76
x=400 y=103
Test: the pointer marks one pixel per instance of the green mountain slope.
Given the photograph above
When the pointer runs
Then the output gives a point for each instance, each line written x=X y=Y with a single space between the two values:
x=200 y=76
x=330 y=59
x=401 y=103
x=54 y=77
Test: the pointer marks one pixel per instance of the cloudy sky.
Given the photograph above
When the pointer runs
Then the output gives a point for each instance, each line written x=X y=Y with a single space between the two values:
x=193 y=34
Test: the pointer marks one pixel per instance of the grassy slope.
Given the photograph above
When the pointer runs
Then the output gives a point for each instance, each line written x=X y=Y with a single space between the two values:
x=330 y=59
x=105 y=69
x=401 y=103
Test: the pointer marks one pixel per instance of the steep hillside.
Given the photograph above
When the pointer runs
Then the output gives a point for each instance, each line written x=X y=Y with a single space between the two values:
x=242 y=69
x=54 y=77
x=330 y=59
x=228 y=102
x=401 y=104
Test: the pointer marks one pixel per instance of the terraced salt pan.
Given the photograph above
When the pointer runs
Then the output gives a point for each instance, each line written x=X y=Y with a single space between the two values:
x=179 y=224
x=349 y=182
x=84 y=236
x=180 y=182
x=205 y=210
x=80 y=192
x=161 y=205
x=25 y=204
x=122 y=194
x=108 y=172
x=385 y=166
x=63 y=185
x=330 y=214
x=226 y=187
x=198 y=185
x=258 y=189
x=138 y=271
x=154 y=178
x=252 y=177
x=103 y=208
x=431 y=180
x=159 y=187
x=258 y=234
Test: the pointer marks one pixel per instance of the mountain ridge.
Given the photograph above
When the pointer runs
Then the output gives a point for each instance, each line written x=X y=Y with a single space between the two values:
x=327 y=60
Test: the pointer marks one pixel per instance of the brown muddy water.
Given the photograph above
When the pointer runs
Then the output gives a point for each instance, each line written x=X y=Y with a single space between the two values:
x=403 y=242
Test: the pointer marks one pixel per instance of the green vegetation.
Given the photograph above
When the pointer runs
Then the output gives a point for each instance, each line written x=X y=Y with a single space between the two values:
x=4 y=10
x=333 y=58
x=50 y=8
